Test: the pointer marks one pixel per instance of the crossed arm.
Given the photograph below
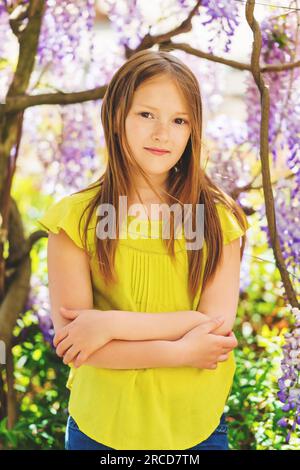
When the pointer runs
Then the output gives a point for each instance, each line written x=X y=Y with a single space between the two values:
x=144 y=340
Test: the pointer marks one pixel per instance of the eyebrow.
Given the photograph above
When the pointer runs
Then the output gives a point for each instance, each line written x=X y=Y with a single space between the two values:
x=155 y=109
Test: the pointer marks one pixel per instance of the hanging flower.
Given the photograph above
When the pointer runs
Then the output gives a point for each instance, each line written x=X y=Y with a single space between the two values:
x=289 y=386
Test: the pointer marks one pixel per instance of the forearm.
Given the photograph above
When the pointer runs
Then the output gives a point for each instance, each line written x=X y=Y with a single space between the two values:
x=136 y=326
x=229 y=319
x=118 y=354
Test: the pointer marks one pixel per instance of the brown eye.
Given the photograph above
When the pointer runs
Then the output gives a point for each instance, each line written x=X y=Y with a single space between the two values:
x=144 y=112
x=180 y=119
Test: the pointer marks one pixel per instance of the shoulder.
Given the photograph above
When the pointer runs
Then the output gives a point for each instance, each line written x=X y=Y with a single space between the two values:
x=79 y=199
x=232 y=227
x=75 y=200
x=67 y=213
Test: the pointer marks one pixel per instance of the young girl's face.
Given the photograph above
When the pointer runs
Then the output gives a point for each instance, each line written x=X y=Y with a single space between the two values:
x=158 y=118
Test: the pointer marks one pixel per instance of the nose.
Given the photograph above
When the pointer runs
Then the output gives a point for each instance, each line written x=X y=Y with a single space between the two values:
x=161 y=132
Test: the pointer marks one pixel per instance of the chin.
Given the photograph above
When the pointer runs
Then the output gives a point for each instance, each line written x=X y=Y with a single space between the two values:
x=157 y=172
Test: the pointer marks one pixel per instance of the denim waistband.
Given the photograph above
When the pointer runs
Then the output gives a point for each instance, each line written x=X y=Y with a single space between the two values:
x=223 y=426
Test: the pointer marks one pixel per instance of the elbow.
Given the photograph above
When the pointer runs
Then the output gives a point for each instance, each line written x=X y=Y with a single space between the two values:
x=226 y=327
x=222 y=330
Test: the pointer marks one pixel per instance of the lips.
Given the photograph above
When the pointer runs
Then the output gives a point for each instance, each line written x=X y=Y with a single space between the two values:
x=156 y=152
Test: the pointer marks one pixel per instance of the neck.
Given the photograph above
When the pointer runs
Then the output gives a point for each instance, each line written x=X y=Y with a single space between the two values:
x=145 y=191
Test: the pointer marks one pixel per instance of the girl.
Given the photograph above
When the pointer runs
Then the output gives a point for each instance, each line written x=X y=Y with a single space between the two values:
x=151 y=363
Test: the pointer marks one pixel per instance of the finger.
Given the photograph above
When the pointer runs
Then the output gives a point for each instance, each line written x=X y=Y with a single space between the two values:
x=70 y=314
x=236 y=340
x=70 y=354
x=63 y=346
x=81 y=358
x=212 y=324
x=232 y=335
x=72 y=363
x=213 y=366
x=228 y=342
x=226 y=350
x=60 y=335
x=223 y=358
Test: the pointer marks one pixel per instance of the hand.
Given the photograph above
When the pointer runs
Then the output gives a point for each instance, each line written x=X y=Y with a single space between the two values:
x=203 y=349
x=88 y=331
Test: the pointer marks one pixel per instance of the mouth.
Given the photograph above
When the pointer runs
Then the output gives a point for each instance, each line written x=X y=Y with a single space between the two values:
x=156 y=152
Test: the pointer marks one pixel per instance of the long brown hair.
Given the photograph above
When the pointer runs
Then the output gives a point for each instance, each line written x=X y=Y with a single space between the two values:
x=189 y=185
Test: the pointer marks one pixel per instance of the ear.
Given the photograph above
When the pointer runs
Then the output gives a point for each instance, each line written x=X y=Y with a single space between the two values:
x=71 y=314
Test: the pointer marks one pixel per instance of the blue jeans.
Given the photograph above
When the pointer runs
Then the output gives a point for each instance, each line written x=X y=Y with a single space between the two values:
x=77 y=440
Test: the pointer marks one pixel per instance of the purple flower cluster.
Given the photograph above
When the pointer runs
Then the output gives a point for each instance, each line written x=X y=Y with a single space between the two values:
x=279 y=45
x=38 y=302
x=287 y=207
x=64 y=137
x=132 y=20
x=63 y=36
x=287 y=203
x=3 y=9
x=222 y=18
x=289 y=386
x=128 y=21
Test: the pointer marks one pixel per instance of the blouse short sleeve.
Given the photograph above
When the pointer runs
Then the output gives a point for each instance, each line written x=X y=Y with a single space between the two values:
x=64 y=214
x=230 y=226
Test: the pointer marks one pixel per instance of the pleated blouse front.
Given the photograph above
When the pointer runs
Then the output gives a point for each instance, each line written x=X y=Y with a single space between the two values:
x=155 y=408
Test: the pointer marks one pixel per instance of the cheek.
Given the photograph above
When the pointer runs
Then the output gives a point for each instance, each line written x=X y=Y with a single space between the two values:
x=135 y=131
x=180 y=140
